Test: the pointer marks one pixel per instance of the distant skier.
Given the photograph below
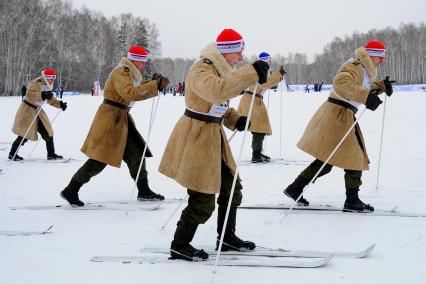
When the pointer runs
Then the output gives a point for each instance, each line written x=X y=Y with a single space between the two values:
x=113 y=136
x=354 y=84
x=23 y=91
x=260 y=125
x=198 y=155
x=39 y=90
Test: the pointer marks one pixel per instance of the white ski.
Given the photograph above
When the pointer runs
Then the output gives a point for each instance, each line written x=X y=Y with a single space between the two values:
x=328 y=209
x=279 y=252
x=244 y=261
x=26 y=233
x=94 y=206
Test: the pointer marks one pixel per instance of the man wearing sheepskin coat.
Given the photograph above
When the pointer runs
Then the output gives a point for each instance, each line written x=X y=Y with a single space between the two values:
x=353 y=85
x=113 y=136
x=260 y=125
x=38 y=91
x=198 y=155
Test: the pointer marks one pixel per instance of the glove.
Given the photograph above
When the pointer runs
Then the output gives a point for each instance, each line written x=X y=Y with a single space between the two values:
x=156 y=76
x=163 y=82
x=63 y=105
x=282 y=71
x=241 y=123
x=261 y=68
x=388 y=85
x=46 y=95
x=373 y=101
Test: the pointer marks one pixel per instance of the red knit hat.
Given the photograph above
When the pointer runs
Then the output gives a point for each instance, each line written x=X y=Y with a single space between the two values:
x=230 y=41
x=375 y=48
x=137 y=53
x=49 y=74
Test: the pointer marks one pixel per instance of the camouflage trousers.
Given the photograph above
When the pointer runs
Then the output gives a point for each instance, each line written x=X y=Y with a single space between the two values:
x=352 y=177
x=201 y=205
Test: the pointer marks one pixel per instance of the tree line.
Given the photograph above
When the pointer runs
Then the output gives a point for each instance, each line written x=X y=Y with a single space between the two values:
x=84 y=46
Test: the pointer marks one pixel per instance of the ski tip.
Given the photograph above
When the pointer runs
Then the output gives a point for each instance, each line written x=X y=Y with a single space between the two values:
x=368 y=250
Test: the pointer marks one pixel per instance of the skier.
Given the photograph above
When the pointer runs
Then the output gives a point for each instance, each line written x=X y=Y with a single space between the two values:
x=113 y=136
x=198 y=155
x=354 y=84
x=260 y=125
x=39 y=90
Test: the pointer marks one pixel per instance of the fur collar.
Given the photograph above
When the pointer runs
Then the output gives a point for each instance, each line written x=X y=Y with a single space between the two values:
x=362 y=55
x=44 y=80
x=136 y=74
x=220 y=64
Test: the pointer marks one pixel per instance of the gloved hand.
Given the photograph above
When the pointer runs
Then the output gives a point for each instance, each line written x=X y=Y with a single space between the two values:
x=162 y=82
x=156 y=76
x=241 y=123
x=388 y=85
x=63 y=105
x=282 y=71
x=373 y=100
x=261 y=68
x=46 y=95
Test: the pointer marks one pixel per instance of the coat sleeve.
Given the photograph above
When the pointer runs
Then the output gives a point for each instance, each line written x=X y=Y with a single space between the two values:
x=273 y=79
x=345 y=84
x=54 y=102
x=123 y=83
x=209 y=86
x=378 y=84
x=230 y=118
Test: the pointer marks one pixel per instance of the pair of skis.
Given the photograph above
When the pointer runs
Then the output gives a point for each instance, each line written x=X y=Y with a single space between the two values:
x=329 y=209
x=260 y=257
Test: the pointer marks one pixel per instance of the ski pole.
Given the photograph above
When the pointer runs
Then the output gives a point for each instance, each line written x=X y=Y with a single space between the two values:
x=281 y=114
x=234 y=181
x=38 y=141
x=381 y=143
x=173 y=213
x=155 y=102
x=232 y=136
x=325 y=163
x=267 y=111
x=28 y=130
x=235 y=131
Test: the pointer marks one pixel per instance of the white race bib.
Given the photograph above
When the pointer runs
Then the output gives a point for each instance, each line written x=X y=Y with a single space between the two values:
x=219 y=110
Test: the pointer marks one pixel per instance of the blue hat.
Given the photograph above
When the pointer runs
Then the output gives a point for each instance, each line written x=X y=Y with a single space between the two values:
x=265 y=56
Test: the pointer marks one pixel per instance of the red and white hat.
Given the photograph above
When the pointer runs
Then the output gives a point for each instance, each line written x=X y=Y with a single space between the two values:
x=230 y=41
x=50 y=74
x=137 y=53
x=375 y=48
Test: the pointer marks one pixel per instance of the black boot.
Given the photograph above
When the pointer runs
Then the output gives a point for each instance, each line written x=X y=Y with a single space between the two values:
x=14 y=149
x=354 y=204
x=265 y=158
x=258 y=157
x=230 y=240
x=181 y=248
x=295 y=189
x=51 y=155
x=70 y=193
x=145 y=193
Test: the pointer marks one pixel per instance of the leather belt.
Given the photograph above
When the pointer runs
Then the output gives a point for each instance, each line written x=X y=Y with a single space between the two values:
x=115 y=104
x=251 y=93
x=30 y=104
x=203 y=117
x=343 y=104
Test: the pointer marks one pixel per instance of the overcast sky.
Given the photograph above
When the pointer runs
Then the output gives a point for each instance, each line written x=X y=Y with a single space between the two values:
x=279 y=26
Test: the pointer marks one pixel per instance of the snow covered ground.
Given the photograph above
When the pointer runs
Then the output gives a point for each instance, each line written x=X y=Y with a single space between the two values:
x=63 y=256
